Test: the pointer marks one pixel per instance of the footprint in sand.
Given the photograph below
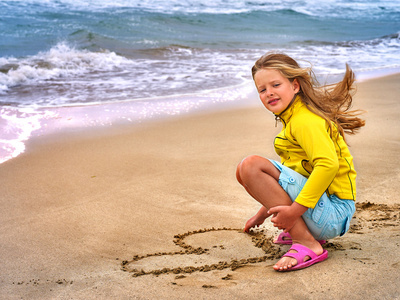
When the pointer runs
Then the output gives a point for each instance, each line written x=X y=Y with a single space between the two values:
x=205 y=250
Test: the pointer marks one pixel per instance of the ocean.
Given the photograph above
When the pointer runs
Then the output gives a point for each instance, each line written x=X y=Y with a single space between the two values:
x=130 y=60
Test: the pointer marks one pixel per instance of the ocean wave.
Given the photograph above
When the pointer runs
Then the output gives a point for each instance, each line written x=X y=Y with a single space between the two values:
x=370 y=54
x=123 y=25
x=59 y=61
x=65 y=75
x=327 y=8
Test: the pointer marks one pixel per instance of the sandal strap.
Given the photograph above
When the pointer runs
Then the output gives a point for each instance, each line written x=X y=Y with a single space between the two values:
x=302 y=252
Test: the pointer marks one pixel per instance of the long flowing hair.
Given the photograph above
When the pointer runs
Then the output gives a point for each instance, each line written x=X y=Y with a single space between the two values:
x=332 y=102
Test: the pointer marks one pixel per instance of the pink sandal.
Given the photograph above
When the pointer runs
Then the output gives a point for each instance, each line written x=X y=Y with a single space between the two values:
x=302 y=253
x=285 y=239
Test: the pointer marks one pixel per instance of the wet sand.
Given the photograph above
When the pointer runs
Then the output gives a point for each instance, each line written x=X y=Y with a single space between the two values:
x=153 y=211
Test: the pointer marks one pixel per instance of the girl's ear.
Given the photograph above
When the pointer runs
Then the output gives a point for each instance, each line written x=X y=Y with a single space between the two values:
x=296 y=86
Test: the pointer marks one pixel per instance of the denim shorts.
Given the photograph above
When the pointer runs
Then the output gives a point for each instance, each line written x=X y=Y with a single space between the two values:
x=331 y=215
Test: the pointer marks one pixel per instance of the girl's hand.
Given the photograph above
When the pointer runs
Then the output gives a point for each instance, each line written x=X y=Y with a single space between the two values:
x=284 y=217
x=257 y=220
x=253 y=222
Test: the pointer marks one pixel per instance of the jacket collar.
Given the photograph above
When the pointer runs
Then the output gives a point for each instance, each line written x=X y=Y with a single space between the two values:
x=285 y=115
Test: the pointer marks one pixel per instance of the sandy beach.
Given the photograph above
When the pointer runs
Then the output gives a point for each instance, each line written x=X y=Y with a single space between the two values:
x=153 y=211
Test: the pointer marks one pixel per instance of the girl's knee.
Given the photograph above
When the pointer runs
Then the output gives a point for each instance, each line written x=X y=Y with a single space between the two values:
x=250 y=161
x=248 y=166
x=238 y=177
x=253 y=165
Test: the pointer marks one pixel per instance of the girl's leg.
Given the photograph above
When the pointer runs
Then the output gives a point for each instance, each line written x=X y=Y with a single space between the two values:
x=260 y=178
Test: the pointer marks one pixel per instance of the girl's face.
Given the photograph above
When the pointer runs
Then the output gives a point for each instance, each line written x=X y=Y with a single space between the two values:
x=276 y=91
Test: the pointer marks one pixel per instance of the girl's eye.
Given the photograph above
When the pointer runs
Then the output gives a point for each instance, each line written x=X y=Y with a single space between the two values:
x=262 y=91
x=277 y=84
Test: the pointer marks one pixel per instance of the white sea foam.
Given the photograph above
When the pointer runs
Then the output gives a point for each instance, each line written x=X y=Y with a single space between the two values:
x=17 y=125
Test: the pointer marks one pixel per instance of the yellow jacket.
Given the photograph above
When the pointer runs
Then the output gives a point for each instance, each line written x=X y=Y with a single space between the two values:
x=305 y=146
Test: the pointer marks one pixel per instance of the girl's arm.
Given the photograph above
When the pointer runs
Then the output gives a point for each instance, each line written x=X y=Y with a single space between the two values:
x=313 y=137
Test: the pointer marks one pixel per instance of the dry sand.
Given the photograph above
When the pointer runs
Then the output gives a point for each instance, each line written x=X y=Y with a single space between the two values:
x=154 y=212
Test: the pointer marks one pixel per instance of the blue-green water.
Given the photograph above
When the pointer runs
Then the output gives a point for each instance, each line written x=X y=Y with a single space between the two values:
x=79 y=51
x=57 y=53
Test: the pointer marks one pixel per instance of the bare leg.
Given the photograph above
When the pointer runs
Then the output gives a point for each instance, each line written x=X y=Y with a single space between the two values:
x=260 y=179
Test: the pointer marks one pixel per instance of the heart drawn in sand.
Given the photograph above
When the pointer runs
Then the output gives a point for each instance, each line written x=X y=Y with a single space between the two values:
x=219 y=248
x=220 y=253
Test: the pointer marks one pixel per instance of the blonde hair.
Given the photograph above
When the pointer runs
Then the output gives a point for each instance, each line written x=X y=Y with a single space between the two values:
x=331 y=102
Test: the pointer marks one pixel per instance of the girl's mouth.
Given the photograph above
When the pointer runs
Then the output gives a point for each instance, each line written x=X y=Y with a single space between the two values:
x=273 y=101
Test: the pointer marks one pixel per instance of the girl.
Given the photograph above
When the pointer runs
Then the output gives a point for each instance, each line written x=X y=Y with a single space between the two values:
x=310 y=194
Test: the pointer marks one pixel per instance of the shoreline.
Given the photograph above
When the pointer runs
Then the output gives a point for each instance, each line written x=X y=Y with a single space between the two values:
x=24 y=124
x=50 y=120
x=77 y=205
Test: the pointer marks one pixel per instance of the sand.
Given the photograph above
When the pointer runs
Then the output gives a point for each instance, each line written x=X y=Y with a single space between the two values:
x=153 y=211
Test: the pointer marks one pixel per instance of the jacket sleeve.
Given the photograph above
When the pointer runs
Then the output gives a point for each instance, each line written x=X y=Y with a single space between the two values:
x=311 y=133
